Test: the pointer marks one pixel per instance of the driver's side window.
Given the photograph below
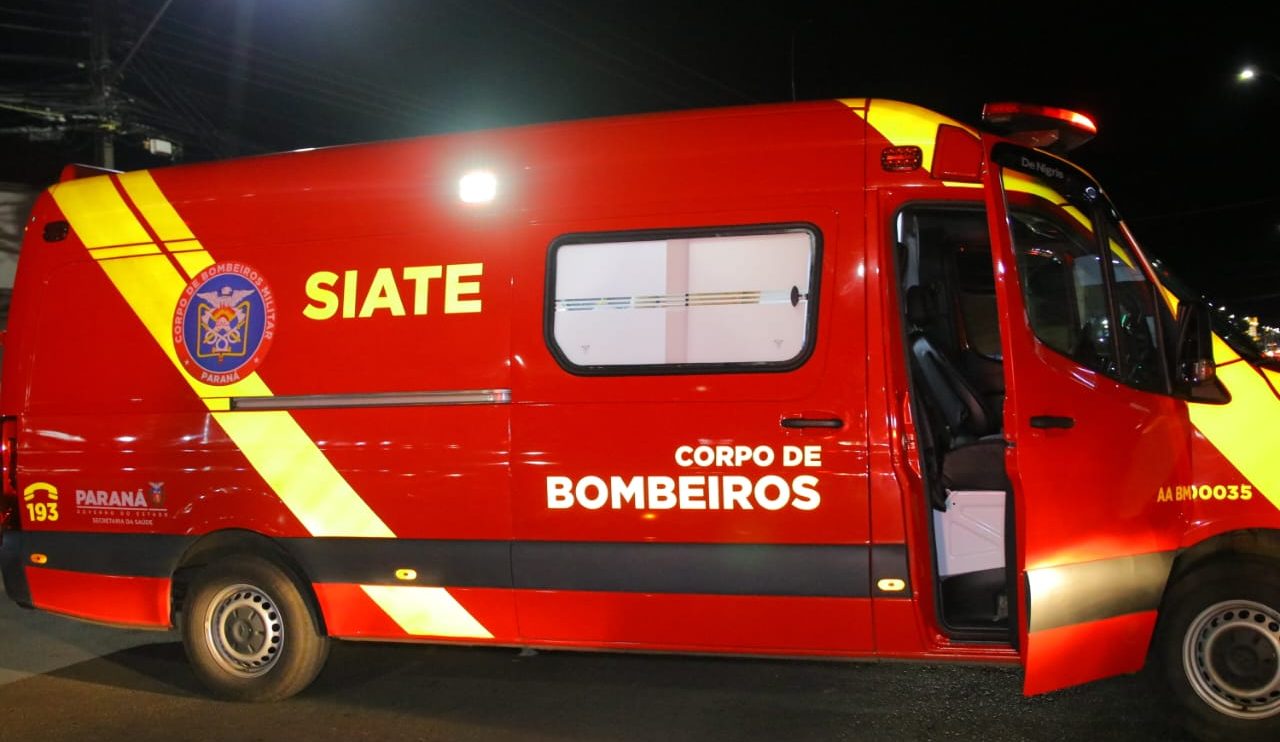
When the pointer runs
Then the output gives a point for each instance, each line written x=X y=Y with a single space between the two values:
x=1066 y=298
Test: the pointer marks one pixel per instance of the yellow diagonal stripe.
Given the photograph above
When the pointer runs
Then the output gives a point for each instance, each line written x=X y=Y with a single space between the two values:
x=97 y=213
x=426 y=611
x=155 y=208
x=193 y=262
x=276 y=446
x=286 y=457
x=1243 y=429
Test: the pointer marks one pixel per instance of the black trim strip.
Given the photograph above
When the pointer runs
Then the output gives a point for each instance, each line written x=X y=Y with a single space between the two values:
x=889 y=562
x=122 y=554
x=374 y=561
x=1092 y=591
x=812 y=570
x=709 y=569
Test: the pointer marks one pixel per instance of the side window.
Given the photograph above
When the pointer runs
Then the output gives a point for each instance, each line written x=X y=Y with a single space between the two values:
x=1066 y=296
x=1136 y=308
x=692 y=301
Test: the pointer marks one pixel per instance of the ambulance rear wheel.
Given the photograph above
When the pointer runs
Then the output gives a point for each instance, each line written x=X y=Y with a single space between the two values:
x=1219 y=649
x=250 y=633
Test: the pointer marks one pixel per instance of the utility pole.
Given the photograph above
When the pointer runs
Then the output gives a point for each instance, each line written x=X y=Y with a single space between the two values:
x=100 y=77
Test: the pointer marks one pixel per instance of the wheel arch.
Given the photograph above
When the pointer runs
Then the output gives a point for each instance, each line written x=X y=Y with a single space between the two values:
x=218 y=545
x=1248 y=543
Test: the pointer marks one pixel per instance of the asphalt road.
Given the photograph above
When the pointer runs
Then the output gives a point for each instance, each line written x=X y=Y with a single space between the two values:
x=64 y=680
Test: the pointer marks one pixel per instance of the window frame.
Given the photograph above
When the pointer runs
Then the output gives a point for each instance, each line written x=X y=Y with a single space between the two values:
x=1101 y=213
x=669 y=233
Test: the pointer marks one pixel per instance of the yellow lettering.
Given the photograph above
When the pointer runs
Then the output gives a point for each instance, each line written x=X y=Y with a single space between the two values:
x=454 y=288
x=421 y=276
x=349 y=294
x=320 y=290
x=383 y=294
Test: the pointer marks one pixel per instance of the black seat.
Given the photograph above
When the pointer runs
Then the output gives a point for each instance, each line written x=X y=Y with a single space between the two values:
x=959 y=407
x=973 y=449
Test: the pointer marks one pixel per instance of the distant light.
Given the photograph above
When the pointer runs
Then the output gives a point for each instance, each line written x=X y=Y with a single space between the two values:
x=478 y=187
x=159 y=147
x=1247 y=74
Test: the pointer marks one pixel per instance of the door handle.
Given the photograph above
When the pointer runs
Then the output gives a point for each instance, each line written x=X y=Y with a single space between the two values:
x=1052 y=421
x=812 y=422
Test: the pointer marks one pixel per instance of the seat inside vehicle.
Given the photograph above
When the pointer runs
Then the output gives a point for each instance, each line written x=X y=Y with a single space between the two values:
x=947 y=288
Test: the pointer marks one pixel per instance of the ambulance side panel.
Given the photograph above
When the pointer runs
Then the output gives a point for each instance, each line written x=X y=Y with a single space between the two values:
x=683 y=571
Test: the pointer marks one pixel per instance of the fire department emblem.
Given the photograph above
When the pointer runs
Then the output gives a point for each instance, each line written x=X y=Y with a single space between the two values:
x=224 y=322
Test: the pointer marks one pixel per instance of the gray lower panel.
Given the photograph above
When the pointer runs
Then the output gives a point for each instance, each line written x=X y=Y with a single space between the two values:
x=1092 y=591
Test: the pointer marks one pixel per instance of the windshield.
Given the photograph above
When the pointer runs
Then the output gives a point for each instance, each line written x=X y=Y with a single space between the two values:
x=1256 y=342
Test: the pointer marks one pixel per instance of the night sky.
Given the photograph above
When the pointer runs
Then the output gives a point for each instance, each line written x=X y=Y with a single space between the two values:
x=1184 y=149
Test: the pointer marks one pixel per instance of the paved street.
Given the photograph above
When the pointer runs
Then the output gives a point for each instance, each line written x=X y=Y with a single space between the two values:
x=64 y=680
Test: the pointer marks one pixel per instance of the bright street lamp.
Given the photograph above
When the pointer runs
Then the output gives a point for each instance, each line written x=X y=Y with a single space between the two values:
x=1249 y=73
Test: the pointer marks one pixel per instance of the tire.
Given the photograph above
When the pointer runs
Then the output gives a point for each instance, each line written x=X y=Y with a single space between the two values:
x=250 y=633
x=1218 y=650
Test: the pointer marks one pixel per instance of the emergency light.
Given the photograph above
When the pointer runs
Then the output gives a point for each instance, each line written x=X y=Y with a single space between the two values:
x=1044 y=127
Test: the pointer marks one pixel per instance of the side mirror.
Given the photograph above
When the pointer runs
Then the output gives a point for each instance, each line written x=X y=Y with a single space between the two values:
x=1195 y=344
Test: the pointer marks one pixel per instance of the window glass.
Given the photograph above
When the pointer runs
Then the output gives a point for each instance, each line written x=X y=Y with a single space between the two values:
x=1096 y=307
x=1136 y=307
x=684 y=302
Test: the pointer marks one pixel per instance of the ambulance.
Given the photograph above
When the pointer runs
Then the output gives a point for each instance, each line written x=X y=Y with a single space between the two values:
x=840 y=379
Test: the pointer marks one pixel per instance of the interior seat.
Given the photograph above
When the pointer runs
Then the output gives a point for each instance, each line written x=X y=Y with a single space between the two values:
x=973 y=446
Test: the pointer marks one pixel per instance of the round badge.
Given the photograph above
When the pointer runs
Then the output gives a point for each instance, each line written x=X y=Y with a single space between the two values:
x=223 y=324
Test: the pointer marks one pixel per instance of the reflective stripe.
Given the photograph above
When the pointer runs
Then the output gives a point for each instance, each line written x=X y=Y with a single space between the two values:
x=1243 y=430
x=393 y=399
x=273 y=442
x=426 y=611
x=155 y=208
x=193 y=262
x=97 y=213
x=301 y=475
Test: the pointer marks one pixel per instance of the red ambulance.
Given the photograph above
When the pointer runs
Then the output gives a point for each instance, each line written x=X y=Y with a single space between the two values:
x=840 y=379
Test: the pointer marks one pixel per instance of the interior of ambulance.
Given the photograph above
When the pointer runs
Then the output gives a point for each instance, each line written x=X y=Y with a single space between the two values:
x=948 y=300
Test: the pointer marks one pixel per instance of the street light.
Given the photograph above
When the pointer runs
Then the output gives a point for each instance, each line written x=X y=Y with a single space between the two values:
x=1249 y=73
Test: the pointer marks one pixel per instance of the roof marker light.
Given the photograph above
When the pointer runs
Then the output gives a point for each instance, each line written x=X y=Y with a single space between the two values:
x=478 y=187
x=901 y=159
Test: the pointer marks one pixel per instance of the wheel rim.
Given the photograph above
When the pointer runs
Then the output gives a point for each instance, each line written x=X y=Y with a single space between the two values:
x=244 y=630
x=1231 y=654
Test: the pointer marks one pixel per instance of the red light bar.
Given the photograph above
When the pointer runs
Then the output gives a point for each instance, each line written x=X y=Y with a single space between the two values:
x=901 y=159
x=1004 y=112
x=1046 y=127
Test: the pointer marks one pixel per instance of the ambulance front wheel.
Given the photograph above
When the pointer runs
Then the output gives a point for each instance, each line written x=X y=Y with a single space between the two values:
x=249 y=632
x=1219 y=650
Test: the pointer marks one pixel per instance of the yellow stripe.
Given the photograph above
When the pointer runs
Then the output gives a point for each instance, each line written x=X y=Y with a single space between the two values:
x=276 y=446
x=426 y=611
x=155 y=208
x=183 y=245
x=905 y=125
x=97 y=213
x=128 y=251
x=193 y=262
x=1243 y=430
x=291 y=463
